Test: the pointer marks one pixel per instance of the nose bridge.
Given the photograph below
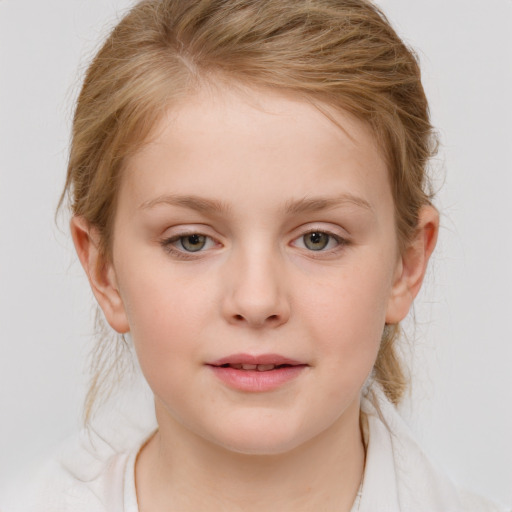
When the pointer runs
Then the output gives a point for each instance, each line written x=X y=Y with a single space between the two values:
x=256 y=294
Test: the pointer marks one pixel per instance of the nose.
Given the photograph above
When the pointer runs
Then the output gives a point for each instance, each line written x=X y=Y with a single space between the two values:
x=255 y=291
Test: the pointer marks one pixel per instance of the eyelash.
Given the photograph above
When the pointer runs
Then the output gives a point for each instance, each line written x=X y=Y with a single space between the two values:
x=340 y=241
x=168 y=244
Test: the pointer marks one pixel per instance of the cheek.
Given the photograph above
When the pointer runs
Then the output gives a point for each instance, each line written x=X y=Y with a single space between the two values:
x=166 y=316
x=346 y=314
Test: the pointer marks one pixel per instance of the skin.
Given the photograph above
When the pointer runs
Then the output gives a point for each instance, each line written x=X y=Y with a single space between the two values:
x=255 y=172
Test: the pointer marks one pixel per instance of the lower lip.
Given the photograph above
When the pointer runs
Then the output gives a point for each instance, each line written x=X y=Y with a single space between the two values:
x=255 y=381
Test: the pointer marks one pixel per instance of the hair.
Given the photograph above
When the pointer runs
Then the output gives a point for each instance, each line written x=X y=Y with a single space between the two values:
x=342 y=54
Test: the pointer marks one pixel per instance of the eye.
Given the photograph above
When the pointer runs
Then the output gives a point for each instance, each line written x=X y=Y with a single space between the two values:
x=188 y=243
x=192 y=243
x=318 y=241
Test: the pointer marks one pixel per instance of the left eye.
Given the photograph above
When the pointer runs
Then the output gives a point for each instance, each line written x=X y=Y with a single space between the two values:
x=193 y=243
x=317 y=241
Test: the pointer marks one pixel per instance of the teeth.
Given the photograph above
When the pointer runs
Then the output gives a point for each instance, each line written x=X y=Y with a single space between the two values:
x=258 y=367
x=265 y=367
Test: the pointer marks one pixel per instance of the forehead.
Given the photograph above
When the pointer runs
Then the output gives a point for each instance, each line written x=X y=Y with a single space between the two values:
x=253 y=141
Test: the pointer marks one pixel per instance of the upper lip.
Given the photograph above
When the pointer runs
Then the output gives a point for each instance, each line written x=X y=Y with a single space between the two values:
x=274 y=359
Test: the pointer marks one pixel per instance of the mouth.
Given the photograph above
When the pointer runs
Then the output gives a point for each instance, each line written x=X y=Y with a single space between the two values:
x=249 y=373
x=257 y=367
x=261 y=363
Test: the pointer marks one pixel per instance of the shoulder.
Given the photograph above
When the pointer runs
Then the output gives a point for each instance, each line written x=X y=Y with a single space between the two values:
x=93 y=471
x=87 y=474
x=399 y=473
x=473 y=502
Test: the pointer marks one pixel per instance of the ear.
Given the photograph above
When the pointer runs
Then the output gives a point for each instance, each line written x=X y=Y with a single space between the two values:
x=100 y=272
x=413 y=265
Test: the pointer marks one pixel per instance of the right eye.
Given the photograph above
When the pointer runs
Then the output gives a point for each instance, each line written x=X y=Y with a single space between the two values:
x=188 y=243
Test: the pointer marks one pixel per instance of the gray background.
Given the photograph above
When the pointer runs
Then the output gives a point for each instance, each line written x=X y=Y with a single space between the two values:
x=461 y=406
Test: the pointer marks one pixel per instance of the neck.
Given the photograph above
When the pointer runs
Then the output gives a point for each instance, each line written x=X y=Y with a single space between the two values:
x=179 y=470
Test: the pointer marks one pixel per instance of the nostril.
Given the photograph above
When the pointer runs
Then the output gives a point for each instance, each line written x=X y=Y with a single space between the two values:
x=270 y=319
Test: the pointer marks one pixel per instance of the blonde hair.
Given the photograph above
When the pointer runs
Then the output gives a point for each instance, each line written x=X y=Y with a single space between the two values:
x=339 y=53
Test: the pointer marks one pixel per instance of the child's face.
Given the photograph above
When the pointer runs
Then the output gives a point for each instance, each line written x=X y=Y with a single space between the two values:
x=288 y=253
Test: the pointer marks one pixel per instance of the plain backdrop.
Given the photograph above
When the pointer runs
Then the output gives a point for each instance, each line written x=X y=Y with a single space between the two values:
x=461 y=399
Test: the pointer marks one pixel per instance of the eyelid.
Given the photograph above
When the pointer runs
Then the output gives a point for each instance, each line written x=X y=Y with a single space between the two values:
x=341 y=239
x=167 y=242
x=319 y=227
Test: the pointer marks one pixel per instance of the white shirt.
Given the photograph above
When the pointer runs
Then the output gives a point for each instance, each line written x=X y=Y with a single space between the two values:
x=93 y=475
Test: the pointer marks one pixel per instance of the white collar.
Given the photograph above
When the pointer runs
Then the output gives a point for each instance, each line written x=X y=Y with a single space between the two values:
x=399 y=477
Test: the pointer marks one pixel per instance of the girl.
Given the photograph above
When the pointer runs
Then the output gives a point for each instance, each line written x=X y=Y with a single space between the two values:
x=250 y=205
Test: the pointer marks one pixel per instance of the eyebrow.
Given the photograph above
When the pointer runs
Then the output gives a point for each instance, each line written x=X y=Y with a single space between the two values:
x=192 y=202
x=294 y=207
x=314 y=204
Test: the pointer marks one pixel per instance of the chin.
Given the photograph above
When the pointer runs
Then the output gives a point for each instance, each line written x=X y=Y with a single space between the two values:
x=270 y=439
x=261 y=447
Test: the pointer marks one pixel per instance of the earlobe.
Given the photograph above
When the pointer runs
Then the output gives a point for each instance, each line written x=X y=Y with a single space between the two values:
x=413 y=264
x=100 y=273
